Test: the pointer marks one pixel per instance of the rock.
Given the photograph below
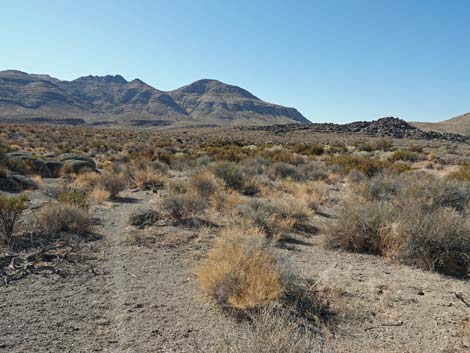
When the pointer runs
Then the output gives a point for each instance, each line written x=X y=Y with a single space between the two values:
x=77 y=157
x=37 y=165
x=25 y=182
x=16 y=183
x=54 y=168
x=9 y=185
x=78 y=165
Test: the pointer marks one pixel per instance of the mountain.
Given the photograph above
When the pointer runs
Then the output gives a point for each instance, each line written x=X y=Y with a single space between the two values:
x=112 y=100
x=458 y=125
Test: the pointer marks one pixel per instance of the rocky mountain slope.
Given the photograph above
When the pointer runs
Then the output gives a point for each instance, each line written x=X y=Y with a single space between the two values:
x=112 y=100
x=458 y=125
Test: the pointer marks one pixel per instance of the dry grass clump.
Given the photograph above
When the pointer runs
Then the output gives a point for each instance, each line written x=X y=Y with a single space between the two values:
x=148 y=179
x=277 y=217
x=241 y=271
x=462 y=174
x=112 y=183
x=230 y=174
x=274 y=330
x=312 y=194
x=99 y=195
x=11 y=209
x=203 y=184
x=54 y=219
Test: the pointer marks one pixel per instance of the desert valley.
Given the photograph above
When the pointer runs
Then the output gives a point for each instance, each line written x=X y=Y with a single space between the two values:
x=205 y=219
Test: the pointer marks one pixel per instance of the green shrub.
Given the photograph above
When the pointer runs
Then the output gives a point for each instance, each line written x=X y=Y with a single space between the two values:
x=11 y=209
x=230 y=174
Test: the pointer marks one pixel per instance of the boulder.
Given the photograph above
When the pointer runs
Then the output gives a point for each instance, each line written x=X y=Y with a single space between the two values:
x=54 y=168
x=16 y=183
x=78 y=166
x=77 y=157
x=37 y=165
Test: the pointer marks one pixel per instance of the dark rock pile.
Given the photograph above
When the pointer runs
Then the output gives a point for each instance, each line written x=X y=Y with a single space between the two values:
x=385 y=127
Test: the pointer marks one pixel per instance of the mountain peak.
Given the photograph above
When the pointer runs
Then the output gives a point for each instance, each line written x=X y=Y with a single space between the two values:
x=102 y=79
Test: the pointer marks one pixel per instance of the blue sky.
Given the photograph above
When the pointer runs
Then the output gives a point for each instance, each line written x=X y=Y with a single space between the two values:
x=333 y=60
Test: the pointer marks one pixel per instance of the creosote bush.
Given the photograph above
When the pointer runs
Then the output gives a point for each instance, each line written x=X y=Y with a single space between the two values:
x=241 y=271
x=11 y=209
x=54 y=219
x=203 y=184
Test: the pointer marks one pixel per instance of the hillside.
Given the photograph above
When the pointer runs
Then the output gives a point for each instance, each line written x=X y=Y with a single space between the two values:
x=458 y=125
x=112 y=100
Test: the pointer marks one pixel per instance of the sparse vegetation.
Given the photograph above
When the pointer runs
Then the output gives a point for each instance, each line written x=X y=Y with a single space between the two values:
x=54 y=219
x=10 y=213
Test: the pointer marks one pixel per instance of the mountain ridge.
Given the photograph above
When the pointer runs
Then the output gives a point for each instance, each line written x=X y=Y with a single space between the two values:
x=111 y=99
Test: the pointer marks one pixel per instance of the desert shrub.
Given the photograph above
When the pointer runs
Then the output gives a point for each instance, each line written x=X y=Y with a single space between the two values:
x=113 y=183
x=310 y=149
x=437 y=240
x=203 y=184
x=254 y=166
x=182 y=207
x=405 y=155
x=281 y=170
x=312 y=171
x=149 y=180
x=423 y=222
x=144 y=218
x=360 y=226
x=54 y=219
x=382 y=187
x=11 y=209
x=436 y=192
x=312 y=194
x=73 y=196
x=346 y=164
x=241 y=271
x=229 y=173
x=275 y=218
x=178 y=186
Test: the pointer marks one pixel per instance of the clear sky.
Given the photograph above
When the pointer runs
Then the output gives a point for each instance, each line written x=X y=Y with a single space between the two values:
x=333 y=60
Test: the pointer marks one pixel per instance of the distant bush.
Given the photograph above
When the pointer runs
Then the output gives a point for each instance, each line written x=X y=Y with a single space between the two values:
x=204 y=184
x=310 y=149
x=241 y=271
x=149 y=180
x=54 y=219
x=275 y=218
x=183 y=207
x=11 y=209
x=346 y=164
x=405 y=155
x=462 y=174
x=229 y=173
x=113 y=183
x=282 y=170
x=73 y=197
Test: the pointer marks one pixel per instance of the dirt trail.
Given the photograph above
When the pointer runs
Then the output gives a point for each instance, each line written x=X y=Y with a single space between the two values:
x=139 y=299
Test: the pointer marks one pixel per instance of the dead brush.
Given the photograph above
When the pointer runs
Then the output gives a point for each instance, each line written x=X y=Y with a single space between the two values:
x=241 y=271
x=313 y=194
x=274 y=329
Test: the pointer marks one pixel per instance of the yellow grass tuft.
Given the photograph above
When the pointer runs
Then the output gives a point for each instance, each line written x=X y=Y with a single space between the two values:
x=241 y=271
